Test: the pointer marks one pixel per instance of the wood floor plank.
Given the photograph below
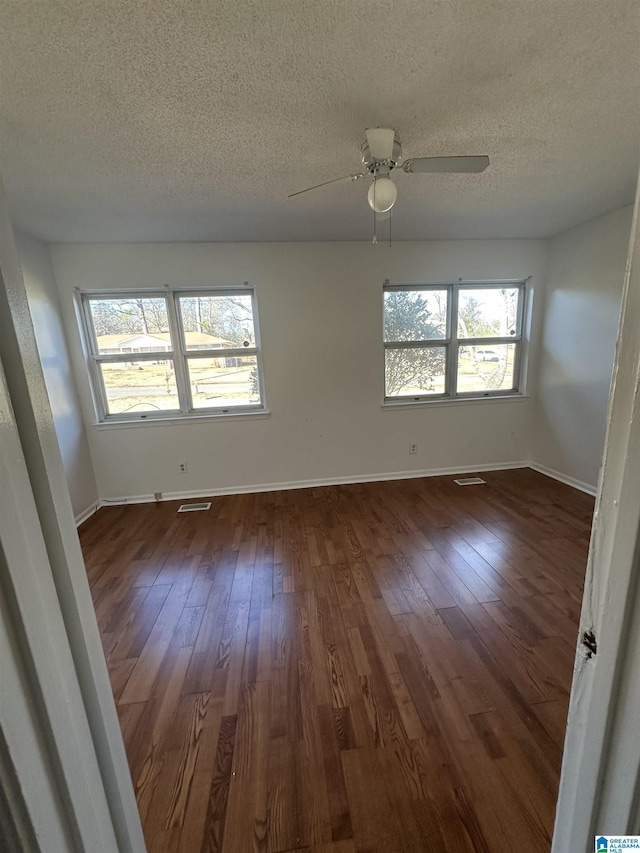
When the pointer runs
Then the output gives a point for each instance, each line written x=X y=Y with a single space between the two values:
x=382 y=814
x=553 y=716
x=455 y=814
x=147 y=746
x=119 y=672
x=132 y=640
x=246 y=825
x=220 y=780
x=368 y=668
x=143 y=676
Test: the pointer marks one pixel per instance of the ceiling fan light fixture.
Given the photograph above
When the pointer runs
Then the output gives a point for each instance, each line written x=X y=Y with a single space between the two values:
x=382 y=195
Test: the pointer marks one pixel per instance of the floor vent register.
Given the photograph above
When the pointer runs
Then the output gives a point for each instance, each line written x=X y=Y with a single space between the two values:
x=194 y=507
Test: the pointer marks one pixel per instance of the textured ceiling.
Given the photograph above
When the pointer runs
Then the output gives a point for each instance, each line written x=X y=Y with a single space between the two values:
x=191 y=120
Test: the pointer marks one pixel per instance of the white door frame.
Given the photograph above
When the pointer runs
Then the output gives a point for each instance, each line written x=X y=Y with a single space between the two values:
x=48 y=742
x=52 y=613
x=599 y=786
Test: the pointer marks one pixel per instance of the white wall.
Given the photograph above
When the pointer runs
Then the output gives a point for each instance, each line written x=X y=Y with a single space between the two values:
x=320 y=311
x=44 y=305
x=582 y=311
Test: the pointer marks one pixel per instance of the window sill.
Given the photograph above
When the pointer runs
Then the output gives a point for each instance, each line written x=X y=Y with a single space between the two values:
x=458 y=401
x=182 y=419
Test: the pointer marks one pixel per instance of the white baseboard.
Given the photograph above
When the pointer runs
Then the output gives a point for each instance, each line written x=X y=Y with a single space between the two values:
x=339 y=481
x=88 y=512
x=564 y=478
x=311 y=484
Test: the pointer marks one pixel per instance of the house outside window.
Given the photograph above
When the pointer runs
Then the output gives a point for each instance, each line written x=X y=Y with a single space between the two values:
x=452 y=341
x=172 y=353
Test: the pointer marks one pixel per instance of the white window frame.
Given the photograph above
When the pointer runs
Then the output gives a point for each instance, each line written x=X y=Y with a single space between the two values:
x=178 y=354
x=452 y=342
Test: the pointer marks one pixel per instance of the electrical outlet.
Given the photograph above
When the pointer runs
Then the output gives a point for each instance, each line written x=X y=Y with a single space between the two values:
x=182 y=467
x=413 y=448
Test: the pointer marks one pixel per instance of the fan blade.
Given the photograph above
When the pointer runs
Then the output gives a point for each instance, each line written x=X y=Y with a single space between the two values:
x=380 y=141
x=324 y=184
x=446 y=164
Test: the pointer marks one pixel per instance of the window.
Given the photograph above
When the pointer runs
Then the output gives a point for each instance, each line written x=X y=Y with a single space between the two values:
x=173 y=353
x=452 y=341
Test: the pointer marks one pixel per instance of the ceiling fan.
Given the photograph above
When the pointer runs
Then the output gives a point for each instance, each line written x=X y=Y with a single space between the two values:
x=381 y=154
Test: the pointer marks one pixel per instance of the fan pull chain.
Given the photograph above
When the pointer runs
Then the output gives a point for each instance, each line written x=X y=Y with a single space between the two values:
x=375 y=235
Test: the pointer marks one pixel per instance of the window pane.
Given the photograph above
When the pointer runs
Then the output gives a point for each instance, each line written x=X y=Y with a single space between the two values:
x=487 y=368
x=487 y=312
x=225 y=381
x=145 y=386
x=217 y=322
x=414 y=371
x=128 y=325
x=415 y=315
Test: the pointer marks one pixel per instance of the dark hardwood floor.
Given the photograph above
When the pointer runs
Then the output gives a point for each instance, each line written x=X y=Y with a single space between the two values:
x=379 y=668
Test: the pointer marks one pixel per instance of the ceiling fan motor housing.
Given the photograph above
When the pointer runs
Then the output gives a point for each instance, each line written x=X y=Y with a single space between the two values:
x=372 y=164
